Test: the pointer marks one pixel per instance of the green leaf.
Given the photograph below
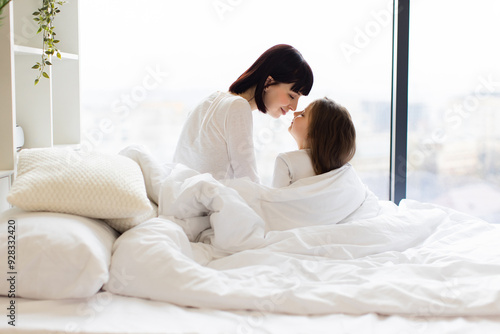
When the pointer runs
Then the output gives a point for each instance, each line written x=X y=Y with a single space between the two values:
x=44 y=18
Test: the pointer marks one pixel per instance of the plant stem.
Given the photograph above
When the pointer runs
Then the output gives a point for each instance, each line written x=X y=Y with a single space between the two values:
x=45 y=19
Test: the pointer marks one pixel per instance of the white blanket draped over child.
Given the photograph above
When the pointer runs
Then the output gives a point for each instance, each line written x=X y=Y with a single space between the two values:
x=315 y=247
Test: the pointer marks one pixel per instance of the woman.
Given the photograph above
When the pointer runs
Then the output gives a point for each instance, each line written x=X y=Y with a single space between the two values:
x=217 y=137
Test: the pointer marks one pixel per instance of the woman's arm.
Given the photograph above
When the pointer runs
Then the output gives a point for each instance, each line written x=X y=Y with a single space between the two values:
x=241 y=151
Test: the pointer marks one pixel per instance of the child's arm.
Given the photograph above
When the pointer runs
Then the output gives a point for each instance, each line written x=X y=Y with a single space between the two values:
x=281 y=177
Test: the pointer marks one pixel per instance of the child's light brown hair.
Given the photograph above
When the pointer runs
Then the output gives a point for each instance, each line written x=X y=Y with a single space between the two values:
x=331 y=135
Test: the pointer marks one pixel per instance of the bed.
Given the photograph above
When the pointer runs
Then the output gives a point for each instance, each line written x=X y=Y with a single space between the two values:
x=123 y=244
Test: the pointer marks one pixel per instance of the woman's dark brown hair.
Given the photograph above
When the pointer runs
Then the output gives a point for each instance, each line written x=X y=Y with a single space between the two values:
x=331 y=135
x=284 y=64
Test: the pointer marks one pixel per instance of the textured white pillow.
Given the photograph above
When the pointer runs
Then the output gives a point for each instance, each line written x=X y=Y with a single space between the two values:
x=91 y=184
x=124 y=224
x=57 y=255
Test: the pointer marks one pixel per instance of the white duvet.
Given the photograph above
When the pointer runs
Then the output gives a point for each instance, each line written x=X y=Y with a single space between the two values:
x=275 y=251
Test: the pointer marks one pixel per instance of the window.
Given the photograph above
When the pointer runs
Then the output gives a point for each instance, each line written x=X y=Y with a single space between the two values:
x=454 y=105
x=144 y=67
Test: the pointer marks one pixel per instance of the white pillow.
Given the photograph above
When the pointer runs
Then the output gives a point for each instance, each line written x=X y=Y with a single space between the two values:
x=92 y=184
x=56 y=255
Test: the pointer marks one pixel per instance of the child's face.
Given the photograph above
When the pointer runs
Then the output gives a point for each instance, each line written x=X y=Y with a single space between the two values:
x=298 y=128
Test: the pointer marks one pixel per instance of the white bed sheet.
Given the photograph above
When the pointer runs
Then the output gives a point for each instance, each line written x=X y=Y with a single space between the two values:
x=106 y=313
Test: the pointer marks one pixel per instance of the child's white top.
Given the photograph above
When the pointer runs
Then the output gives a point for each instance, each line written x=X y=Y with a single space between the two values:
x=217 y=138
x=292 y=166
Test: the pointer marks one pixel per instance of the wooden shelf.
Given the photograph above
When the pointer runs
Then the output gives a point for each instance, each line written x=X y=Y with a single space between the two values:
x=49 y=112
x=4 y=173
x=30 y=51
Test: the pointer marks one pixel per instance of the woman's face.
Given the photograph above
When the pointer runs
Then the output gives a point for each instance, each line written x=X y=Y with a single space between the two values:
x=280 y=98
x=299 y=127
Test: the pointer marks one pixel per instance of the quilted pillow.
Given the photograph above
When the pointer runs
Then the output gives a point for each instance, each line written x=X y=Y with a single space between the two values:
x=124 y=224
x=91 y=184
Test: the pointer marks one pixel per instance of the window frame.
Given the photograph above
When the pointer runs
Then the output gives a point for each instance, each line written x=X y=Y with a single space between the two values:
x=399 y=100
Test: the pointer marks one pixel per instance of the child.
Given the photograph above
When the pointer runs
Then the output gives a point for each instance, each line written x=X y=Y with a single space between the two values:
x=326 y=139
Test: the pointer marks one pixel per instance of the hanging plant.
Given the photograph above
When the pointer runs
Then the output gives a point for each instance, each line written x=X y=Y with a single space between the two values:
x=3 y=3
x=44 y=17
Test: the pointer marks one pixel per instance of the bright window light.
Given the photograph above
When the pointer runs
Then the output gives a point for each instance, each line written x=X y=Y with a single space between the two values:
x=145 y=65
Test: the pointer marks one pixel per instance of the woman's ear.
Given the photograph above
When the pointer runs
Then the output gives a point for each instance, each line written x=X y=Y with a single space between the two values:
x=269 y=81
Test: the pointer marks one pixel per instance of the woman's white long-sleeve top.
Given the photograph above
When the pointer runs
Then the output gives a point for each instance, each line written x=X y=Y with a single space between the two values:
x=217 y=138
